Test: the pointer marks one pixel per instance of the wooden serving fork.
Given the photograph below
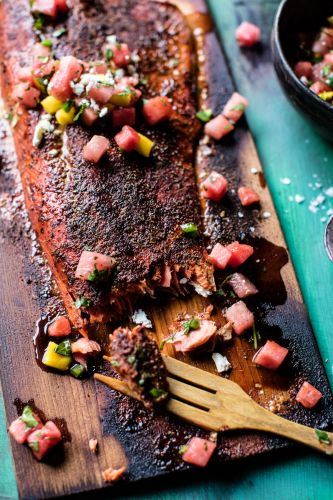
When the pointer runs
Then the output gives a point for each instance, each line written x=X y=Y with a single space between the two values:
x=218 y=404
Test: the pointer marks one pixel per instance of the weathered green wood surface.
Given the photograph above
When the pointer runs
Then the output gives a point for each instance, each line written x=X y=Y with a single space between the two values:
x=288 y=148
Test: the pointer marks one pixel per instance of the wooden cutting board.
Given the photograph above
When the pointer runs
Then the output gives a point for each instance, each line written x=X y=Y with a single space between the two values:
x=127 y=434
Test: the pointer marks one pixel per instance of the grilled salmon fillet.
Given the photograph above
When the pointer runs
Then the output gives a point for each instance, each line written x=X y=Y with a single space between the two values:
x=127 y=206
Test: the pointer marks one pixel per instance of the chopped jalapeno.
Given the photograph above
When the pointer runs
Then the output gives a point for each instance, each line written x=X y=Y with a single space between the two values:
x=64 y=348
x=190 y=228
x=77 y=370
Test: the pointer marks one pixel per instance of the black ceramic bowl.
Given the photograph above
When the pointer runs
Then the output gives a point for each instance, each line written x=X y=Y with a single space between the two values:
x=293 y=17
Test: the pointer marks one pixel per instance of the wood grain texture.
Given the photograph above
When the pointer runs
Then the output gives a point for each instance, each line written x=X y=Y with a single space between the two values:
x=18 y=323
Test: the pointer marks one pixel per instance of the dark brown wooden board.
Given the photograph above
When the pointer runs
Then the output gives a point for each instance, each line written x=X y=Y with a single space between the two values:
x=127 y=434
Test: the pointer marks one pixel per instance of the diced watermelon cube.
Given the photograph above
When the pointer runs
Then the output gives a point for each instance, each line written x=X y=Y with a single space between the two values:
x=89 y=116
x=240 y=253
x=45 y=69
x=91 y=261
x=20 y=431
x=121 y=55
x=308 y=395
x=240 y=317
x=218 y=127
x=242 y=286
x=41 y=53
x=219 y=256
x=324 y=43
x=127 y=139
x=42 y=440
x=46 y=7
x=100 y=93
x=100 y=67
x=235 y=107
x=271 y=355
x=24 y=74
x=247 y=34
x=62 y=6
x=156 y=110
x=328 y=59
x=303 y=68
x=319 y=87
x=123 y=116
x=26 y=94
x=215 y=186
x=69 y=70
x=199 y=451
x=96 y=148
x=247 y=196
x=317 y=71
x=60 y=327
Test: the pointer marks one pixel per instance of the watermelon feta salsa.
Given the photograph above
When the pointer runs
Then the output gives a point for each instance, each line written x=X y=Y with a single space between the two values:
x=308 y=396
x=29 y=429
x=198 y=451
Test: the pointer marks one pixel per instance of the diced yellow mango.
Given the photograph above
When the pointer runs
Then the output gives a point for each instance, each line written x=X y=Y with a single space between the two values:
x=65 y=117
x=51 y=104
x=55 y=360
x=145 y=146
x=121 y=99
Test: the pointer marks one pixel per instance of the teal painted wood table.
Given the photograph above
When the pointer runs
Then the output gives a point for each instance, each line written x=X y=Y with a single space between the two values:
x=289 y=151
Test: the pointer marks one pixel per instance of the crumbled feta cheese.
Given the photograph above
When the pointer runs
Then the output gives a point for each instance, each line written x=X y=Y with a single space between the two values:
x=42 y=126
x=53 y=152
x=197 y=31
x=104 y=111
x=304 y=80
x=221 y=362
x=240 y=215
x=329 y=192
x=78 y=88
x=266 y=215
x=112 y=39
x=140 y=318
x=94 y=106
x=135 y=57
x=200 y=289
x=285 y=180
x=323 y=219
x=299 y=198
x=254 y=170
x=182 y=281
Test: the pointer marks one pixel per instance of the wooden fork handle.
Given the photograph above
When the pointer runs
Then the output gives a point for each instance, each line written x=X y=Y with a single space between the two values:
x=297 y=432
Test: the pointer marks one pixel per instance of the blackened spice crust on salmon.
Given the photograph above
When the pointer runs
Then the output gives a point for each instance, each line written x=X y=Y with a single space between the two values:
x=128 y=207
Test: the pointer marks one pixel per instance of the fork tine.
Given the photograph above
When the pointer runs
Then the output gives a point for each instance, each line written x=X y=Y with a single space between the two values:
x=193 y=415
x=116 y=385
x=191 y=373
x=191 y=394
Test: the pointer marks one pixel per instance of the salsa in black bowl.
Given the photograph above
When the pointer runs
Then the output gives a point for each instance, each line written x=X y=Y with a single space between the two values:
x=298 y=24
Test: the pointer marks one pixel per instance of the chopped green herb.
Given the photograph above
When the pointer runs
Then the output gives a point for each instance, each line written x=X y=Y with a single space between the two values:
x=322 y=436
x=39 y=22
x=131 y=359
x=47 y=42
x=64 y=348
x=67 y=106
x=79 y=113
x=43 y=59
x=326 y=70
x=115 y=363
x=204 y=115
x=41 y=85
x=232 y=294
x=239 y=107
x=28 y=417
x=220 y=292
x=157 y=393
x=9 y=116
x=192 y=324
x=108 y=54
x=96 y=276
x=329 y=80
x=34 y=445
x=77 y=370
x=83 y=302
x=256 y=337
x=190 y=228
x=58 y=33
x=143 y=81
x=182 y=449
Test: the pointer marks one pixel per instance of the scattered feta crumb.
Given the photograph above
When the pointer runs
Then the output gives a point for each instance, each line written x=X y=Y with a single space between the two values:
x=111 y=39
x=322 y=219
x=44 y=125
x=329 y=192
x=53 y=152
x=103 y=112
x=266 y=215
x=221 y=362
x=285 y=180
x=254 y=170
x=78 y=88
x=329 y=211
x=183 y=281
x=93 y=445
x=299 y=198
x=318 y=185
x=240 y=215
x=200 y=289
x=140 y=318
